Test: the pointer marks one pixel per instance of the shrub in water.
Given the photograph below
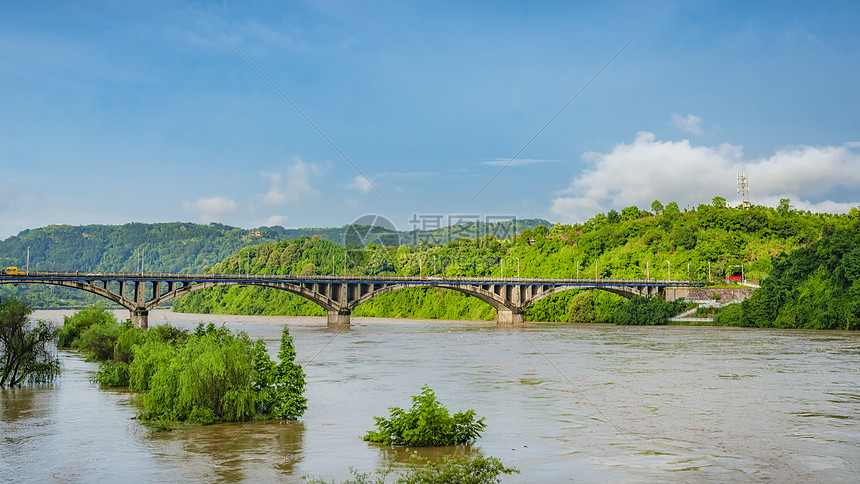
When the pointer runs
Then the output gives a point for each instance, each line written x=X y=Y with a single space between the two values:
x=428 y=424
x=217 y=376
x=76 y=324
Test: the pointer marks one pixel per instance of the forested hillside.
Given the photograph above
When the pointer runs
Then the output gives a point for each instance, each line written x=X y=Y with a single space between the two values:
x=663 y=243
x=173 y=247
x=814 y=287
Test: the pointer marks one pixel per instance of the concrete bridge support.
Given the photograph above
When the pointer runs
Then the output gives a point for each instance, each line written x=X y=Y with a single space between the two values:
x=339 y=317
x=140 y=318
x=506 y=317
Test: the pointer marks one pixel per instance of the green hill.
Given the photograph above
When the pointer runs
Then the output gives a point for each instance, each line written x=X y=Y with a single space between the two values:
x=710 y=242
x=173 y=247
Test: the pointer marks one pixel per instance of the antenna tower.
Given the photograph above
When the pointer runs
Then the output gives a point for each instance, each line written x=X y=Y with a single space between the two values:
x=743 y=189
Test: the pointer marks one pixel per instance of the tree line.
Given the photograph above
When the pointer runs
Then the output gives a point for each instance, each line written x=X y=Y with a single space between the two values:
x=707 y=243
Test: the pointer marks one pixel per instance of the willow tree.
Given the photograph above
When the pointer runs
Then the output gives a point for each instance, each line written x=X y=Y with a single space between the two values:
x=25 y=353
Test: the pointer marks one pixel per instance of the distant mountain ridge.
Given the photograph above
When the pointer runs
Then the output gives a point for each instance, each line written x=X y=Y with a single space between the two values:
x=190 y=247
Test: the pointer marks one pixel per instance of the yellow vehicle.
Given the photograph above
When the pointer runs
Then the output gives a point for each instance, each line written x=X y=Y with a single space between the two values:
x=14 y=271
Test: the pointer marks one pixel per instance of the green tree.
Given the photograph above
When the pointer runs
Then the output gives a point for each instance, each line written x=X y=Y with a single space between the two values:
x=784 y=206
x=75 y=325
x=656 y=207
x=207 y=381
x=672 y=210
x=719 y=202
x=24 y=347
x=582 y=308
x=282 y=386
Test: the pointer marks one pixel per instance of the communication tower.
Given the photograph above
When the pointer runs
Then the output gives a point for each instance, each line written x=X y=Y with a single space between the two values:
x=743 y=189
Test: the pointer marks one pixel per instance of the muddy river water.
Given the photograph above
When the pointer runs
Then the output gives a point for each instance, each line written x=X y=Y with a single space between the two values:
x=584 y=403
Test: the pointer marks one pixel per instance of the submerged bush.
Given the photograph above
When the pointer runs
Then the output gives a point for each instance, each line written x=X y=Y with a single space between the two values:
x=113 y=374
x=75 y=325
x=218 y=376
x=428 y=424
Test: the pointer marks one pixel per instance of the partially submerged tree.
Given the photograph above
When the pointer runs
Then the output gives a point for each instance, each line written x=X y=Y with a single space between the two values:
x=25 y=354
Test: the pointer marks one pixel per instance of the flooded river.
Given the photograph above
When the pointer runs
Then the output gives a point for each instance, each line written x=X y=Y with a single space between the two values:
x=584 y=403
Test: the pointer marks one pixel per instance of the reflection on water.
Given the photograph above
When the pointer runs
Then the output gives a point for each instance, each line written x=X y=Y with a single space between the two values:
x=590 y=403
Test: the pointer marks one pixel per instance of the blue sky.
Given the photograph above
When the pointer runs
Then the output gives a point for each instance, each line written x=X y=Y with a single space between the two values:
x=116 y=112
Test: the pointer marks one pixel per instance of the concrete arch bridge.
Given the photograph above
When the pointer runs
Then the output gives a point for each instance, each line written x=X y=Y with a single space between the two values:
x=339 y=295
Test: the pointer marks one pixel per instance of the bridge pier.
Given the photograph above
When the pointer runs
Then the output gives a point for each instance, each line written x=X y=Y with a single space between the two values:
x=140 y=318
x=509 y=316
x=339 y=317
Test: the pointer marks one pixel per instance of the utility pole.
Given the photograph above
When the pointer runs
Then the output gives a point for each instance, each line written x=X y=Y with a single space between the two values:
x=709 y=271
x=518 y=267
x=670 y=270
x=648 y=269
x=28 y=259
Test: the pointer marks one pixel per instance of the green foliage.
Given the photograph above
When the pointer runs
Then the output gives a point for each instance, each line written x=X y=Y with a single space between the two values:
x=215 y=376
x=427 y=424
x=641 y=310
x=816 y=287
x=282 y=386
x=153 y=354
x=207 y=381
x=167 y=247
x=731 y=315
x=457 y=470
x=624 y=246
x=99 y=340
x=24 y=347
x=582 y=309
x=113 y=374
x=75 y=325
x=450 y=470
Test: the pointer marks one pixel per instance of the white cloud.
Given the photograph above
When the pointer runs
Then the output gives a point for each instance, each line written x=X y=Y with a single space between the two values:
x=517 y=162
x=648 y=170
x=275 y=220
x=691 y=123
x=297 y=185
x=210 y=209
x=362 y=184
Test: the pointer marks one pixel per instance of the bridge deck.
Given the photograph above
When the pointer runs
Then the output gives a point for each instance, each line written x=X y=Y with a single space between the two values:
x=339 y=295
x=39 y=276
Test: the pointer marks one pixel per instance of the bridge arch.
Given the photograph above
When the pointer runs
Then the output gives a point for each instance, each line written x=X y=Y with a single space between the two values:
x=327 y=303
x=91 y=288
x=627 y=292
x=497 y=302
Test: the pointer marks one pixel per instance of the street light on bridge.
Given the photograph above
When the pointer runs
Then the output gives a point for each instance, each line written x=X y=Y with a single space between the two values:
x=670 y=270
